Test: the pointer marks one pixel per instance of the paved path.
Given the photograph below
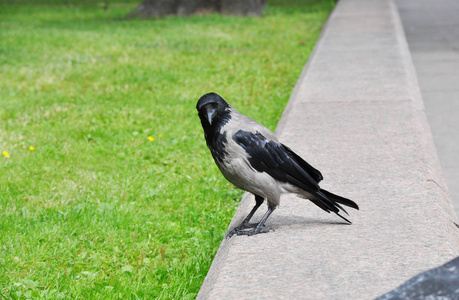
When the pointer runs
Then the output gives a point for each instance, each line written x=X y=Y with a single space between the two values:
x=432 y=31
x=357 y=115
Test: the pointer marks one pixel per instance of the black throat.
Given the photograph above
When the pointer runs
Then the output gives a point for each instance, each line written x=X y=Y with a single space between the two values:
x=215 y=136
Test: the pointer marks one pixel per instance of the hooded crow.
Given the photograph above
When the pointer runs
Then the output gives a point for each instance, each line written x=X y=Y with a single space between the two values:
x=251 y=157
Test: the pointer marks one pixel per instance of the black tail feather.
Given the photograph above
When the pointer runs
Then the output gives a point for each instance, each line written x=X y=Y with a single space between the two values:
x=331 y=203
x=340 y=199
x=343 y=218
x=328 y=206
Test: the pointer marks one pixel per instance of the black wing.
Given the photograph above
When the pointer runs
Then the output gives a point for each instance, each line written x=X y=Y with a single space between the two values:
x=310 y=169
x=278 y=161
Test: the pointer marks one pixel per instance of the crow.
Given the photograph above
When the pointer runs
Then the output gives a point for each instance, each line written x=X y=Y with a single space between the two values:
x=251 y=157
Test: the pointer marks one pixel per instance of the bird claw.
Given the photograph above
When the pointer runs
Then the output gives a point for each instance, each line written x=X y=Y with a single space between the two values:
x=241 y=227
x=240 y=230
x=255 y=231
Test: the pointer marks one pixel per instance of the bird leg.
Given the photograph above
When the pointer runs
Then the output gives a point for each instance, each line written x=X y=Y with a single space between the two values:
x=259 y=228
x=245 y=224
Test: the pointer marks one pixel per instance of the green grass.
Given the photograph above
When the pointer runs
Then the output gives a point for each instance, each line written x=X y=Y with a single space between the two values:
x=97 y=209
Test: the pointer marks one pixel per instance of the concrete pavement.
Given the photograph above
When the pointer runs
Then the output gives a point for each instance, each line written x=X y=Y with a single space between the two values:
x=432 y=31
x=357 y=115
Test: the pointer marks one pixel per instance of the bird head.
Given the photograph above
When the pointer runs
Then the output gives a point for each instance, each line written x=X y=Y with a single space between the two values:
x=211 y=108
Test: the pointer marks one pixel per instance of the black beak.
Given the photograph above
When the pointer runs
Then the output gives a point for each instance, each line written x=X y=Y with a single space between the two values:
x=210 y=115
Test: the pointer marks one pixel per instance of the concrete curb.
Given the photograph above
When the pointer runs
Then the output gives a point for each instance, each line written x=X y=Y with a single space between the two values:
x=432 y=28
x=357 y=115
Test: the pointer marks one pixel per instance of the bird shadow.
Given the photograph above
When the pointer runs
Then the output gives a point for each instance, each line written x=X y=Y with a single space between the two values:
x=291 y=222
x=302 y=222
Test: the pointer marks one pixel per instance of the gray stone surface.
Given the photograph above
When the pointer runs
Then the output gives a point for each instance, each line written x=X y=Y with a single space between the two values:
x=432 y=31
x=357 y=115
x=438 y=283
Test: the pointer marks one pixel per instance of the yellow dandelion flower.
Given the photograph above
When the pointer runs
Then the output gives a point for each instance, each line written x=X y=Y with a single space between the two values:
x=160 y=135
x=151 y=138
x=6 y=154
x=31 y=148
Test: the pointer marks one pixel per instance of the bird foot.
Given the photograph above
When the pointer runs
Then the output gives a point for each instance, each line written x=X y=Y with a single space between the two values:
x=241 y=227
x=240 y=230
x=254 y=231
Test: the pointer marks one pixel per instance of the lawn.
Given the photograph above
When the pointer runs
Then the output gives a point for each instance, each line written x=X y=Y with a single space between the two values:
x=107 y=189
